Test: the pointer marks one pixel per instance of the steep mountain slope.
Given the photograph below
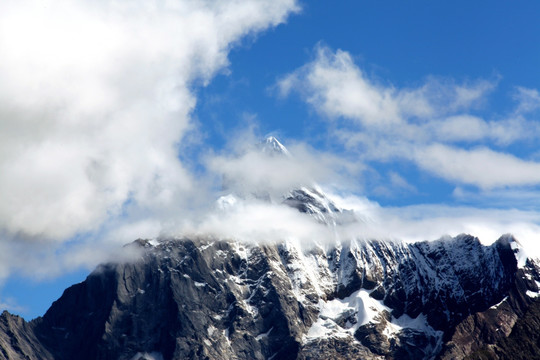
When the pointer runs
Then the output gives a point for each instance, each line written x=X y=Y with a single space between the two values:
x=210 y=298
x=221 y=299
x=523 y=342
x=18 y=340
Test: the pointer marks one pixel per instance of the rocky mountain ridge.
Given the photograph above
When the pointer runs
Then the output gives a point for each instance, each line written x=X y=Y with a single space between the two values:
x=194 y=298
x=212 y=298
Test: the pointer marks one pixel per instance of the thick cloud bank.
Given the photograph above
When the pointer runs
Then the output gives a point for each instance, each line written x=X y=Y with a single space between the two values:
x=95 y=103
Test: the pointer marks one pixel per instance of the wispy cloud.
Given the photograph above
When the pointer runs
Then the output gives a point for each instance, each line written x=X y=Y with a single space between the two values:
x=336 y=87
x=432 y=126
x=433 y=221
x=248 y=170
x=11 y=305
x=528 y=100
x=482 y=167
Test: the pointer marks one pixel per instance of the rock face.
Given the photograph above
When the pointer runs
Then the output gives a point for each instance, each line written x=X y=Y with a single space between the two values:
x=18 y=340
x=522 y=343
x=200 y=299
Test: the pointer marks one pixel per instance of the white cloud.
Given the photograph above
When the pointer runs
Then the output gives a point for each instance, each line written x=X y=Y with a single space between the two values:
x=247 y=170
x=427 y=222
x=470 y=128
x=425 y=125
x=517 y=198
x=433 y=221
x=253 y=220
x=95 y=100
x=335 y=86
x=528 y=99
x=11 y=305
x=452 y=128
x=259 y=221
x=481 y=166
x=400 y=182
x=45 y=260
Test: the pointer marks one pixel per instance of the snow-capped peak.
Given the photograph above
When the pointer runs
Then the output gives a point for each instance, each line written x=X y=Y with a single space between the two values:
x=519 y=251
x=272 y=146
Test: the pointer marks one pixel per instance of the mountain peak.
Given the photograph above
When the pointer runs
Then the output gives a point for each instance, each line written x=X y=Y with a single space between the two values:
x=272 y=146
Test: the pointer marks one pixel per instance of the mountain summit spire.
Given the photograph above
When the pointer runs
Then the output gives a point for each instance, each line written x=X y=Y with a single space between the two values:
x=272 y=146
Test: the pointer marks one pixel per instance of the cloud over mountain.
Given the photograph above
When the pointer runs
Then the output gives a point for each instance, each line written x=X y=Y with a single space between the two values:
x=95 y=104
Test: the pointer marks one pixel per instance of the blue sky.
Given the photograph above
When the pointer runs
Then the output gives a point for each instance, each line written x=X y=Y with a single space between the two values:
x=426 y=111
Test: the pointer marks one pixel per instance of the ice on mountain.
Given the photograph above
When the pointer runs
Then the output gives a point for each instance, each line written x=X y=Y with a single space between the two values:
x=148 y=356
x=271 y=146
x=519 y=251
x=342 y=317
x=264 y=335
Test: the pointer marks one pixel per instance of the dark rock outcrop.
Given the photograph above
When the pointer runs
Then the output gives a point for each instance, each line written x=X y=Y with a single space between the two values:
x=201 y=299
x=18 y=340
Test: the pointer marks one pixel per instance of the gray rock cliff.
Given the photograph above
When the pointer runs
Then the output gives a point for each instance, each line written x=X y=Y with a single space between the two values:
x=201 y=299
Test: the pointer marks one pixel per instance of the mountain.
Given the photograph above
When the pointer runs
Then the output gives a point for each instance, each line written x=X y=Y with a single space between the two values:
x=203 y=298
x=271 y=146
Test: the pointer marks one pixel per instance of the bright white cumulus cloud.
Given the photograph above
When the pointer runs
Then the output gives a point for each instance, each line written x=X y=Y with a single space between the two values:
x=431 y=125
x=95 y=103
x=338 y=88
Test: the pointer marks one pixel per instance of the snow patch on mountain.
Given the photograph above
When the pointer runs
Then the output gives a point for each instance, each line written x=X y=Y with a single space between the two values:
x=520 y=253
x=148 y=356
x=342 y=317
